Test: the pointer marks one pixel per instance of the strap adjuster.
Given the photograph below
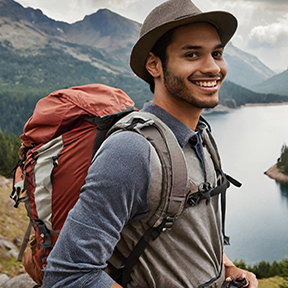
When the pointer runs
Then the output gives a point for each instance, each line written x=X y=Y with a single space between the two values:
x=167 y=223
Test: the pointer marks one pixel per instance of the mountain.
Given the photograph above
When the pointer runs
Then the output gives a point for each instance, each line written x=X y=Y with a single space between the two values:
x=107 y=36
x=276 y=84
x=41 y=55
x=245 y=69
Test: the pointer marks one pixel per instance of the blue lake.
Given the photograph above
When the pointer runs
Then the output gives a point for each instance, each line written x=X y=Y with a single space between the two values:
x=250 y=140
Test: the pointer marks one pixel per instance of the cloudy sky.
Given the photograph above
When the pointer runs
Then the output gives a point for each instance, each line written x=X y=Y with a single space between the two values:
x=263 y=24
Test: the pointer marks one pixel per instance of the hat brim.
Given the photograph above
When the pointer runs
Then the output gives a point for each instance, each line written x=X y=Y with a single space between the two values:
x=225 y=23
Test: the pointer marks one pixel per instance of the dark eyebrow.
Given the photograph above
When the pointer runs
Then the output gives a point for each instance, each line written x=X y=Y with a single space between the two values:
x=219 y=46
x=191 y=47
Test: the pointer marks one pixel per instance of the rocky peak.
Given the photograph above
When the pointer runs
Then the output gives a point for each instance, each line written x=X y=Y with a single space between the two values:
x=111 y=24
x=16 y=12
x=105 y=23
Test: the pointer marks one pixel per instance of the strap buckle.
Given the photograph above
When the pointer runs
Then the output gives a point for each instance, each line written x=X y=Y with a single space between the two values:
x=194 y=199
x=204 y=192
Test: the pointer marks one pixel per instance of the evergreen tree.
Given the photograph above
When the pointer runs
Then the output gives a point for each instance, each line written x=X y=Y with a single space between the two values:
x=283 y=160
x=9 y=146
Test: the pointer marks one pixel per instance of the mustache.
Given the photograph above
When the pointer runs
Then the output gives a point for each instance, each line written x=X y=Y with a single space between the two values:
x=205 y=76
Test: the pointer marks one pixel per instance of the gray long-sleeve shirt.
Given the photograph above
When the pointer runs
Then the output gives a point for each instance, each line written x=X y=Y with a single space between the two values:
x=116 y=193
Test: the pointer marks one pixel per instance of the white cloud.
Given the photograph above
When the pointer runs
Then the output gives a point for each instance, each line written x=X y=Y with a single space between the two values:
x=275 y=34
x=243 y=11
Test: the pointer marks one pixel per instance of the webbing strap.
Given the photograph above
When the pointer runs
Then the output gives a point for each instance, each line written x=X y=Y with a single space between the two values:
x=25 y=242
x=195 y=198
x=236 y=183
x=212 y=148
x=223 y=212
x=226 y=179
x=122 y=275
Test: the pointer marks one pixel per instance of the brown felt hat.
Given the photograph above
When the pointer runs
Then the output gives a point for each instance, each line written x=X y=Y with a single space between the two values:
x=169 y=15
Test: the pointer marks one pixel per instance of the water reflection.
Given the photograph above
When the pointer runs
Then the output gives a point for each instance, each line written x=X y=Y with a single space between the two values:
x=284 y=190
x=245 y=154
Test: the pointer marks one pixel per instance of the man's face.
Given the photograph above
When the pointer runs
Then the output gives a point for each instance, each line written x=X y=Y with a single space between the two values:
x=195 y=68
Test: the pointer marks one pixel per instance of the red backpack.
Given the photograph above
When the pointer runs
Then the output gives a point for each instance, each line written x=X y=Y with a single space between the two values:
x=56 y=151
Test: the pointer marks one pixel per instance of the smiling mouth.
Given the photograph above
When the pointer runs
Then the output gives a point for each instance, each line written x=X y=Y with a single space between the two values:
x=205 y=83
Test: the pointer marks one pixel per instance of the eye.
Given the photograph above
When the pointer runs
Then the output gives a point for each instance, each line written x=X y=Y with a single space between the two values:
x=217 y=54
x=191 y=55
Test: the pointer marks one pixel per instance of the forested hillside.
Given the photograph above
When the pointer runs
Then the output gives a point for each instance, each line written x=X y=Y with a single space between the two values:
x=232 y=96
x=26 y=79
x=282 y=164
x=9 y=146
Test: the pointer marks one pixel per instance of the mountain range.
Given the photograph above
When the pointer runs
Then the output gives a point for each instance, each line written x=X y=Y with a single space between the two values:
x=40 y=55
x=276 y=84
x=245 y=69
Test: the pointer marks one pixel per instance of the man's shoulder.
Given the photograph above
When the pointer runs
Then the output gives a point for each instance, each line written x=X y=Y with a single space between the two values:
x=126 y=144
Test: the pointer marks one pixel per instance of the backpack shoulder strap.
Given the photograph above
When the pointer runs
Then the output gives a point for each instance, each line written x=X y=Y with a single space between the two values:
x=174 y=182
x=223 y=180
x=213 y=150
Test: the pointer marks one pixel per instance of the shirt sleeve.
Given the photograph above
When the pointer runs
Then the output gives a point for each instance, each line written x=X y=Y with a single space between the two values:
x=115 y=193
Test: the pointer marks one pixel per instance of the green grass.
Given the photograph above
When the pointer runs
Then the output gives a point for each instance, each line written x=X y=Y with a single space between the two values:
x=275 y=282
x=13 y=223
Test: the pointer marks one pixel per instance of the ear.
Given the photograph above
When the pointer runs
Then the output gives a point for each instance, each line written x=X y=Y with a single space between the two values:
x=154 y=65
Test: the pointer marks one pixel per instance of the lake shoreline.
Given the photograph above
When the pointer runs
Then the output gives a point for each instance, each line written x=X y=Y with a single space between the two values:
x=264 y=104
x=224 y=109
x=275 y=174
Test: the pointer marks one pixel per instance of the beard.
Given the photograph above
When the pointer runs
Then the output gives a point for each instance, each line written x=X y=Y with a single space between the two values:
x=178 y=89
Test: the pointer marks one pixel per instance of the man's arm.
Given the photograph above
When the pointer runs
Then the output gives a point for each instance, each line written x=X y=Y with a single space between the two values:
x=116 y=192
x=235 y=273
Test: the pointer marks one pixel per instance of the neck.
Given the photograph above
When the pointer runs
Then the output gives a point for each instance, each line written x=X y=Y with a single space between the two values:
x=180 y=109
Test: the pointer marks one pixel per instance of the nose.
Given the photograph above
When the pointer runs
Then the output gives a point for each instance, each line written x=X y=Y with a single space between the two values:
x=210 y=66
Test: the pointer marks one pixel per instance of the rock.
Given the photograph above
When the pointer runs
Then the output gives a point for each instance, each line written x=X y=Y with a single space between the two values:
x=13 y=253
x=17 y=241
x=20 y=281
x=274 y=173
x=3 y=279
x=5 y=183
x=11 y=248
x=7 y=245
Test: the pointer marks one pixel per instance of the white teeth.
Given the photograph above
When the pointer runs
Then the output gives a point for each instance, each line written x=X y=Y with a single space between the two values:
x=206 y=84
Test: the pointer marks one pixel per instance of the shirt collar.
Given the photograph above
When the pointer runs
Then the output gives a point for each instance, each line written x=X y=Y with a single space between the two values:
x=181 y=131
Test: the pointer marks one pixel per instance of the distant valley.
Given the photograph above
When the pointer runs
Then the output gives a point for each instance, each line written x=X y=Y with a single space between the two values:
x=39 y=55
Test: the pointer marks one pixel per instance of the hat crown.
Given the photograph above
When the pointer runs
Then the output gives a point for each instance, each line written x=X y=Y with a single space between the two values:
x=168 y=11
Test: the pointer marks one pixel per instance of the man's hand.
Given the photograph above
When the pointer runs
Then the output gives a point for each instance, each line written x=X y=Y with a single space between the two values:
x=236 y=273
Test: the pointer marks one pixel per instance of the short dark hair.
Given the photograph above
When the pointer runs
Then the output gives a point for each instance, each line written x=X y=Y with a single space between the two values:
x=160 y=49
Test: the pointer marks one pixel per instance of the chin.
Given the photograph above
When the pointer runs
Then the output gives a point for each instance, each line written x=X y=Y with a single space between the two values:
x=210 y=103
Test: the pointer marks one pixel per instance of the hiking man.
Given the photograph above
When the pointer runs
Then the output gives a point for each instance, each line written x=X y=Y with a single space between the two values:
x=180 y=54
